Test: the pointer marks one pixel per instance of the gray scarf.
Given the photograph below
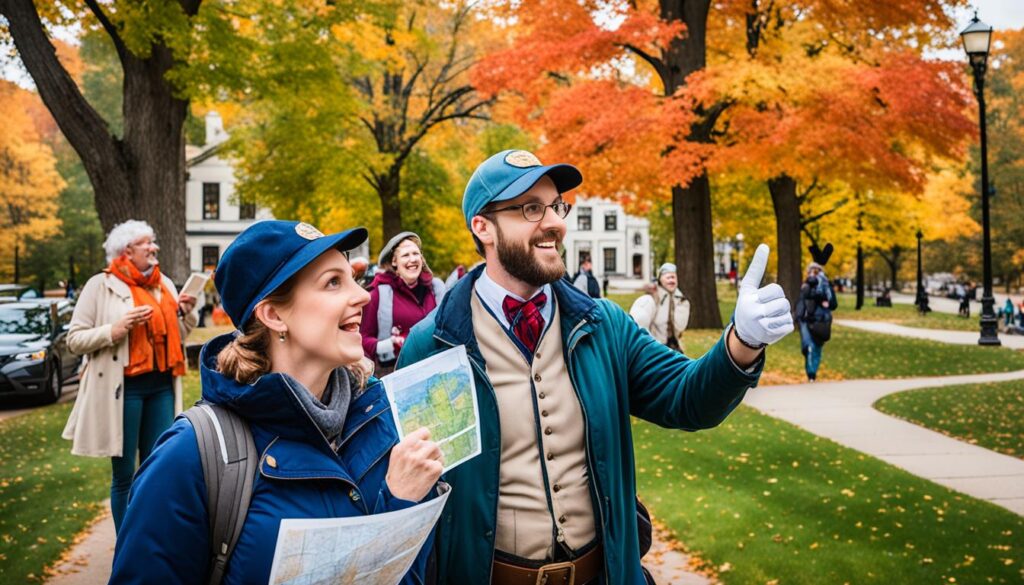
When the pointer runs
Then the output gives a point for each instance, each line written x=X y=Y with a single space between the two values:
x=328 y=413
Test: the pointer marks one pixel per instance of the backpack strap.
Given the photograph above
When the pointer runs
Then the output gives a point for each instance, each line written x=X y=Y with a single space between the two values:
x=229 y=459
x=438 y=288
x=385 y=318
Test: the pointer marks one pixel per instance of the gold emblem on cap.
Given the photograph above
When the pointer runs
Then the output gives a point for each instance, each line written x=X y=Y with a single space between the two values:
x=307 y=231
x=522 y=159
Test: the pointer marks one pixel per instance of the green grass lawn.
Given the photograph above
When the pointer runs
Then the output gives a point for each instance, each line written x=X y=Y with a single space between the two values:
x=905 y=315
x=762 y=501
x=47 y=495
x=854 y=354
x=989 y=415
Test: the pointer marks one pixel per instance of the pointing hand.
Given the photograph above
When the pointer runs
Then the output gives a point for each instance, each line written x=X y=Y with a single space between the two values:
x=762 y=314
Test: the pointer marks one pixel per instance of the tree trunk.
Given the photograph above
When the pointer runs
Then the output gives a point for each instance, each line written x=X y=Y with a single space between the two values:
x=787 y=232
x=141 y=176
x=894 y=265
x=691 y=204
x=154 y=142
x=695 y=253
x=388 y=188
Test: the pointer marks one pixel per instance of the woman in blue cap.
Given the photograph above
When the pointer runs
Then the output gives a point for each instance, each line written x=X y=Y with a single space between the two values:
x=295 y=373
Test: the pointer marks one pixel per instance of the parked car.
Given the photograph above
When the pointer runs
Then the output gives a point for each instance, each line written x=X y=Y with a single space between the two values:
x=34 y=358
x=17 y=292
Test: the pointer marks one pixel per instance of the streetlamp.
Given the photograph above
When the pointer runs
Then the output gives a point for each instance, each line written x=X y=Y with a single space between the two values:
x=922 y=297
x=977 y=39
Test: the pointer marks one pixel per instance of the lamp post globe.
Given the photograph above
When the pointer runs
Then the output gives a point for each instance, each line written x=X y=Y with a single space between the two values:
x=977 y=39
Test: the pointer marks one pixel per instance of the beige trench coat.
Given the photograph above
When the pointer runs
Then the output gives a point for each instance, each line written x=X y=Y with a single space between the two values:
x=97 y=420
x=651 y=313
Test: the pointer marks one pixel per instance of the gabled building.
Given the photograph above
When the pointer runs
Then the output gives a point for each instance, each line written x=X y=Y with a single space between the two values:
x=618 y=244
x=214 y=216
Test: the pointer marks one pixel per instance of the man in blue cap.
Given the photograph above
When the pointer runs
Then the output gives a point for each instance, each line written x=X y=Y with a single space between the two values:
x=551 y=498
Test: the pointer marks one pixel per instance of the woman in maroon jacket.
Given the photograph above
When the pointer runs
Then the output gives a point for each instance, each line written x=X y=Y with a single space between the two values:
x=400 y=296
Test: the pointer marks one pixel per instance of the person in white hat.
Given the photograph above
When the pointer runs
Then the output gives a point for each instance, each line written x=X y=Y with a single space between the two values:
x=665 y=310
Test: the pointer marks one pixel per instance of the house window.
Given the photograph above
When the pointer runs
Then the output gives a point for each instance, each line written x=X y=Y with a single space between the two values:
x=583 y=219
x=582 y=255
x=609 y=261
x=611 y=221
x=211 y=255
x=638 y=240
x=211 y=200
x=247 y=209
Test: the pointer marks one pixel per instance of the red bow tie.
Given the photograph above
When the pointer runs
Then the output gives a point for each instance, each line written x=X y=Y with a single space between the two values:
x=525 y=318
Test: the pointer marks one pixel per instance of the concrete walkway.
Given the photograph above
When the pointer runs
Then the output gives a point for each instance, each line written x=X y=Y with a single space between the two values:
x=952 y=306
x=842 y=412
x=89 y=560
x=942 y=335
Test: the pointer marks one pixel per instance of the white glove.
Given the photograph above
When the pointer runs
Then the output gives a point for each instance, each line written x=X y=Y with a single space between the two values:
x=762 y=314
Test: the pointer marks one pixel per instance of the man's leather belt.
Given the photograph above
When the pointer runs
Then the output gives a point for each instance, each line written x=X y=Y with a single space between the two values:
x=577 y=572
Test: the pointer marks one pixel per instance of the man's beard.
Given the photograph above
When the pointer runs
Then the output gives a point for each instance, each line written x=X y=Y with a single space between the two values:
x=519 y=262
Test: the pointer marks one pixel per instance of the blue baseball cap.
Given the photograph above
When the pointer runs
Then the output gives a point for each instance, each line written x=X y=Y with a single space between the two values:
x=509 y=174
x=267 y=254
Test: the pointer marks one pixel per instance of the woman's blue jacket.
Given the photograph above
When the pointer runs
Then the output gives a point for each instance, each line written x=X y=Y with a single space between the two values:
x=165 y=535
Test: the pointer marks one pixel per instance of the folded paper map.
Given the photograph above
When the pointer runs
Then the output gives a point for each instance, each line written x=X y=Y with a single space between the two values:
x=438 y=393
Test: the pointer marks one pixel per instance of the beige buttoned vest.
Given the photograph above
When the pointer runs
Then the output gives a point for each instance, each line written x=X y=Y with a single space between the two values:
x=543 y=448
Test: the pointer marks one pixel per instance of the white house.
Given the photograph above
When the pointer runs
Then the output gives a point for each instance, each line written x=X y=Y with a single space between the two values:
x=213 y=214
x=618 y=244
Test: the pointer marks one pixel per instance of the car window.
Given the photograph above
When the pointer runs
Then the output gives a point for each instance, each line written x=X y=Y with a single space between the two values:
x=22 y=320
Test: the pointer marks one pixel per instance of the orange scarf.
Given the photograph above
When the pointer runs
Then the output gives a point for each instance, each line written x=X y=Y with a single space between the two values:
x=155 y=344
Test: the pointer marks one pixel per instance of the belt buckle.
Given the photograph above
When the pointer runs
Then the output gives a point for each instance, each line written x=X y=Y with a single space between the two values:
x=542 y=577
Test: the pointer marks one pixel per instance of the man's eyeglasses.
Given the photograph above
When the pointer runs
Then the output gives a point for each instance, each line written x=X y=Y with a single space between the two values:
x=535 y=211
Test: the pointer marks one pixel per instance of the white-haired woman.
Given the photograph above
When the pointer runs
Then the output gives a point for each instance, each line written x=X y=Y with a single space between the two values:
x=130 y=323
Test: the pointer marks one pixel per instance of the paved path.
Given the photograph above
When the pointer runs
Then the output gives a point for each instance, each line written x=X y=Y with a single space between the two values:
x=943 y=335
x=952 y=306
x=88 y=562
x=70 y=391
x=842 y=411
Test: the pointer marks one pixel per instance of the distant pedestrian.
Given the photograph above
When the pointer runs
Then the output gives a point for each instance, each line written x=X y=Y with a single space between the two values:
x=360 y=265
x=585 y=280
x=401 y=295
x=456 y=274
x=1008 y=312
x=1020 y=315
x=130 y=323
x=965 y=301
x=814 y=315
x=665 y=311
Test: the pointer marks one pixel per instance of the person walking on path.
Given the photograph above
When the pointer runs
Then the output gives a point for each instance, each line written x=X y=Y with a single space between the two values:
x=295 y=373
x=129 y=323
x=1008 y=312
x=400 y=296
x=814 y=315
x=585 y=279
x=558 y=375
x=665 y=311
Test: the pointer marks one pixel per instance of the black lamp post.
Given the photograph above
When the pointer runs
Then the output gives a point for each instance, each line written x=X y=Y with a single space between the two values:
x=977 y=39
x=922 y=296
x=860 y=261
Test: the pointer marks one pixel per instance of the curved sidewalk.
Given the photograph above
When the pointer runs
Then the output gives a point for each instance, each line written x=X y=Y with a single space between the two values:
x=942 y=335
x=842 y=412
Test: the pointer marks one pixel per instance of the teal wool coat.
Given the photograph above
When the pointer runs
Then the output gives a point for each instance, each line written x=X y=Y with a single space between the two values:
x=617 y=370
